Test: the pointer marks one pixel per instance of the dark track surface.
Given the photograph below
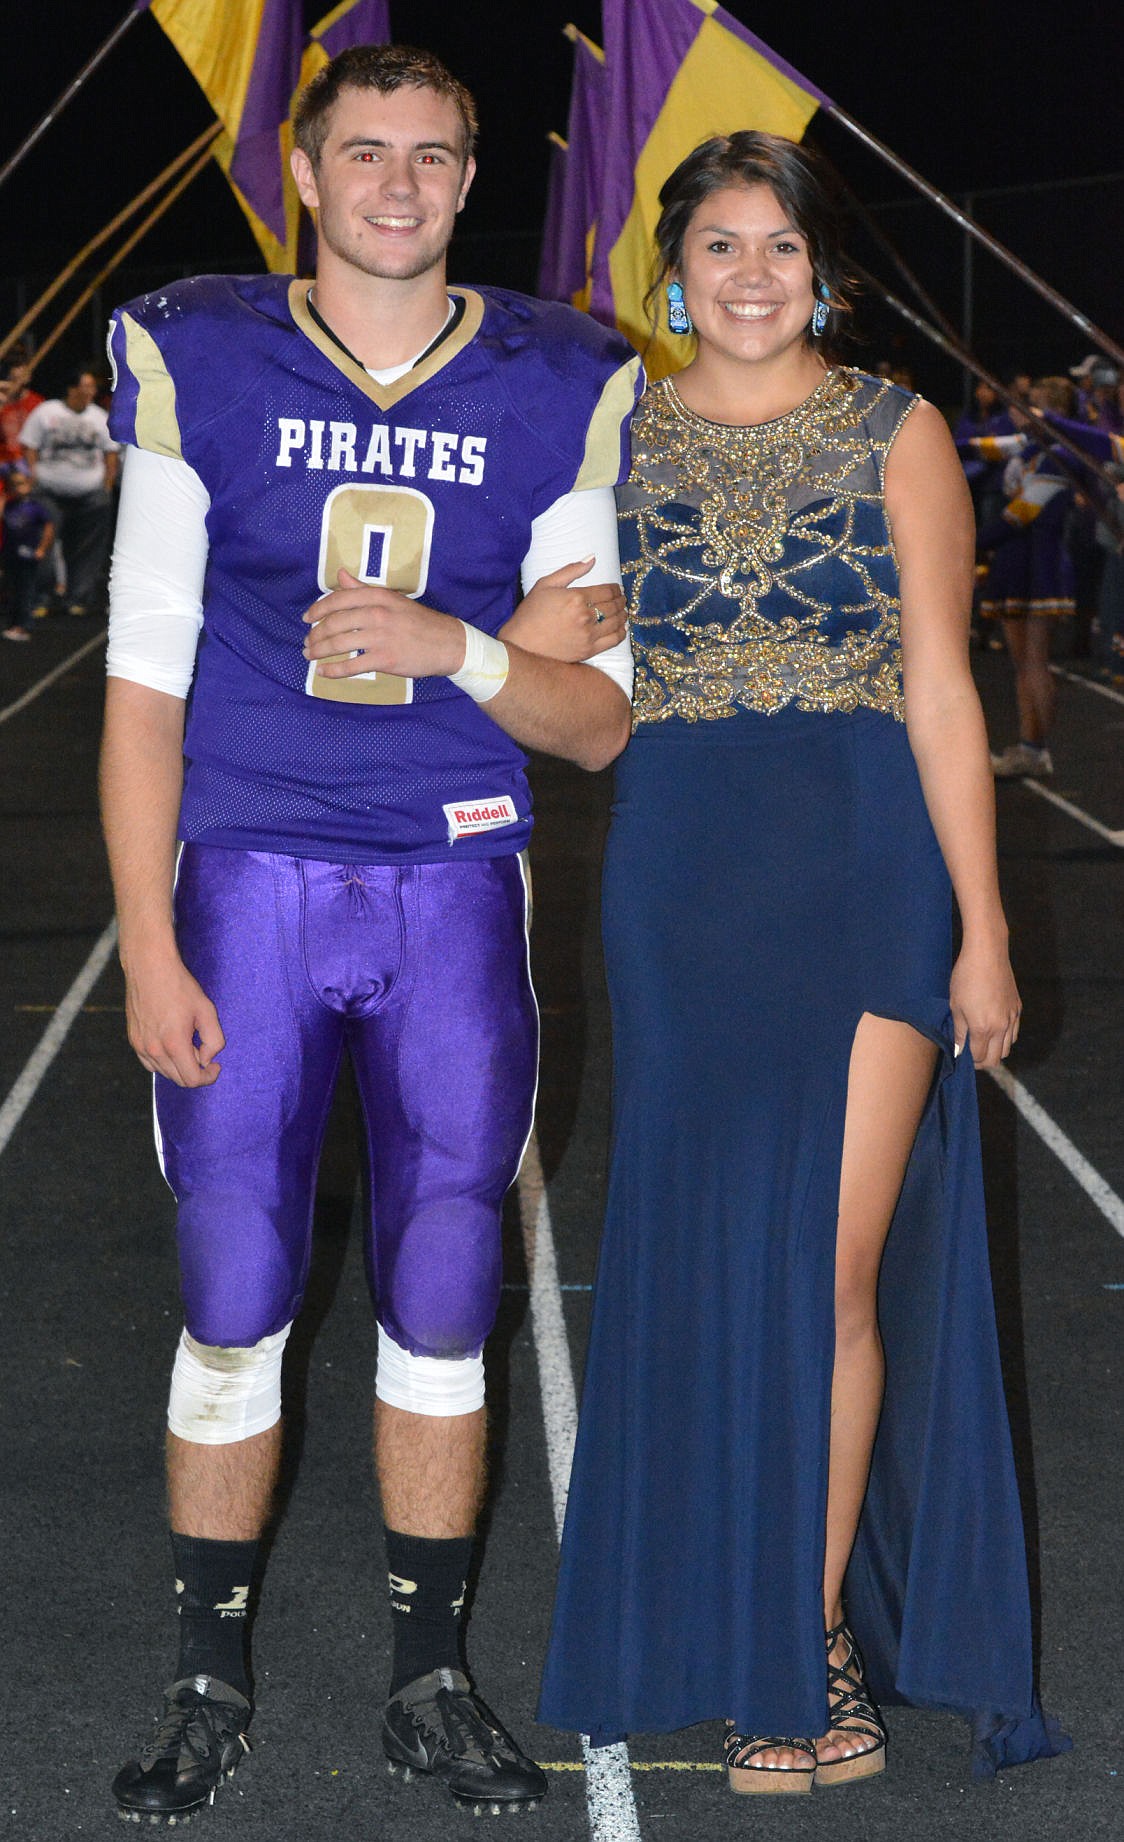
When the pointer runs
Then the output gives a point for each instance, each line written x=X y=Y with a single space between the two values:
x=88 y=1288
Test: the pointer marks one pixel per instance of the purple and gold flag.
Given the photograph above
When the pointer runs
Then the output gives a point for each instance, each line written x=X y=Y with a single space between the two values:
x=679 y=71
x=249 y=58
x=258 y=166
x=576 y=180
x=219 y=41
x=354 y=22
x=556 y=276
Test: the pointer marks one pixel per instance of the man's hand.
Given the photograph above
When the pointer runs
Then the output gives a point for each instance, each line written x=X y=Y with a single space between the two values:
x=359 y=628
x=173 y=1026
x=559 y=621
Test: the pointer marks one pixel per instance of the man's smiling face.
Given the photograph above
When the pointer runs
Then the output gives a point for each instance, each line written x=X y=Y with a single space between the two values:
x=390 y=180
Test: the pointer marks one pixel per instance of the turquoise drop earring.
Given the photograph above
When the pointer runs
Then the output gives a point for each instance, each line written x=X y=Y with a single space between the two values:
x=819 y=311
x=678 y=319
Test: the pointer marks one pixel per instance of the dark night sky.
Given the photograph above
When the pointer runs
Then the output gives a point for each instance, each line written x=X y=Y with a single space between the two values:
x=970 y=95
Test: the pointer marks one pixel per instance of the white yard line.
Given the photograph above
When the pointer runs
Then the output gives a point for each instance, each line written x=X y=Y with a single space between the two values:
x=43 y=684
x=1075 y=812
x=53 y=1037
x=608 y=1779
x=1090 y=684
x=1099 y=1192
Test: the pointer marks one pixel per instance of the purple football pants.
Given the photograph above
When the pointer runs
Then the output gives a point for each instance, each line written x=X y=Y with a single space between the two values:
x=421 y=973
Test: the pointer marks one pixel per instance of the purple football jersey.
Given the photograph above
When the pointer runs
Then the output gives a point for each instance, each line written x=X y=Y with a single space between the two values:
x=427 y=485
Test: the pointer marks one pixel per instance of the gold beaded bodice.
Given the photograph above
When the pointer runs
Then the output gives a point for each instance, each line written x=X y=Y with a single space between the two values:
x=758 y=563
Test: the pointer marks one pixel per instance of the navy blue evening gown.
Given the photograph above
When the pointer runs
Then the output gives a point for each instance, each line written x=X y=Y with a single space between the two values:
x=771 y=874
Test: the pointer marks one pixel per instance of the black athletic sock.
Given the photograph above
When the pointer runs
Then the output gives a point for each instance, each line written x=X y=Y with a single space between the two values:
x=427 y=1581
x=212 y=1585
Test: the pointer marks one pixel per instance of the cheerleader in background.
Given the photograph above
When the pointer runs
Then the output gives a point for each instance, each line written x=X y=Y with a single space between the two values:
x=1034 y=493
x=1030 y=582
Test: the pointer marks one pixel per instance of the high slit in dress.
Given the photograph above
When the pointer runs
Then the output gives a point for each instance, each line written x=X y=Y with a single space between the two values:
x=772 y=874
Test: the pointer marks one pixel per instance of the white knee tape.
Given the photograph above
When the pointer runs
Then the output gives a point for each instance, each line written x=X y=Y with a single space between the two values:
x=222 y=1395
x=438 y=1385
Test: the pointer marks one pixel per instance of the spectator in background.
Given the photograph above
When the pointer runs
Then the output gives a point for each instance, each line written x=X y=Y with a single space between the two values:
x=1097 y=406
x=1108 y=638
x=1108 y=624
x=17 y=400
x=74 y=460
x=29 y=533
x=1098 y=394
x=1104 y=440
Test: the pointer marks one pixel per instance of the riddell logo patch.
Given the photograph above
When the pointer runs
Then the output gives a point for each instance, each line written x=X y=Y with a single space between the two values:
x=467 y=816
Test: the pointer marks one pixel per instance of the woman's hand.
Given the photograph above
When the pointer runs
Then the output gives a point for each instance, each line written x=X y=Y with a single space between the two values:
x=558 y=621
x=985 y=1002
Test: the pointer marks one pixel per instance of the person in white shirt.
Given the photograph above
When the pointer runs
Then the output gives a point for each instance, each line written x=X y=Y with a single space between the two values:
x=74 y=459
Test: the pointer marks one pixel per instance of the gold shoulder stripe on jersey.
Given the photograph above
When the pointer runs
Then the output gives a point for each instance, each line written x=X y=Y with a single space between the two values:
x=602 y=458
x=157 y=426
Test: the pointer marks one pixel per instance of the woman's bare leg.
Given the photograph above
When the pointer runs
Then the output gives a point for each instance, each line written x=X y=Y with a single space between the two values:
x=890 y=1075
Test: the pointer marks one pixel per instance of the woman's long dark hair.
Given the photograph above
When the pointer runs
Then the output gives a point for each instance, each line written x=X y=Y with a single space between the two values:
x=802 y=182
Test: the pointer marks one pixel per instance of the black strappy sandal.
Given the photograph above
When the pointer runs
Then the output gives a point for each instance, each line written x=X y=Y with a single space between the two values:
x=850 y=1710
x=738 y=1747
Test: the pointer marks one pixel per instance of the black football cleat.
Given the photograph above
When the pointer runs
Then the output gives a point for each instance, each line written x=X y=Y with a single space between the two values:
x=197 y=1743
x=437 y=1727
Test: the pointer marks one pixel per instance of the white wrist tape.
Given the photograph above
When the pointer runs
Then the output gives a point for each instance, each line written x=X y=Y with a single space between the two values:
x=485 y=667
x=221 y=1395
x=444 y=1386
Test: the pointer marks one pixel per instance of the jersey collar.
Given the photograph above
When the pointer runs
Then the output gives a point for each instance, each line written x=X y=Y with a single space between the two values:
x=387 y=395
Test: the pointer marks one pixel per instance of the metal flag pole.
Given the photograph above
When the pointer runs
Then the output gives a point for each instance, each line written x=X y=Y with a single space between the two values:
x=891 y=251
x=119 y=255
x=982 y=236
x=95 y=242
x=70 y=91
x=1041 y=426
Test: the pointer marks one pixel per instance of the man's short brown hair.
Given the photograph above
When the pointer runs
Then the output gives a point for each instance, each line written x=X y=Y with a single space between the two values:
x=385 y=68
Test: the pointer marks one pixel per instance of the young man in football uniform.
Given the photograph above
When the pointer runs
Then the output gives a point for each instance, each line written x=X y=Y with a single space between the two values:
x=330 y=494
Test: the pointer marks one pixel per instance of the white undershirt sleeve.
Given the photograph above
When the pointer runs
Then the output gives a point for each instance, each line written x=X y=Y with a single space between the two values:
x=156 y=579
x=576 y=525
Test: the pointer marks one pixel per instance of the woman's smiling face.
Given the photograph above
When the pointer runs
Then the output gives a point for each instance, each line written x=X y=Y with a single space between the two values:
x=746 y=275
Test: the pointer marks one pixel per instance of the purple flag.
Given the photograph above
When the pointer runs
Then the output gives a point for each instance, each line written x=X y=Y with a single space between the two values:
x=257 y=169
x=256 y=166
x=364 y=22
x=249 y=57
x=679 y=71
x=554 y=283
x=579 y=198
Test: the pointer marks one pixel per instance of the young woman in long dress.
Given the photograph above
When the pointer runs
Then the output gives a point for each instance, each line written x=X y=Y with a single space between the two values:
x=793 y=1374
